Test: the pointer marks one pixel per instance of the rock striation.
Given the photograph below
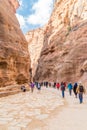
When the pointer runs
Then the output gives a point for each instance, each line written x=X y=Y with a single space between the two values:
x=14 y=4
x=64 y=54
x=14 y=55
x=35 y=43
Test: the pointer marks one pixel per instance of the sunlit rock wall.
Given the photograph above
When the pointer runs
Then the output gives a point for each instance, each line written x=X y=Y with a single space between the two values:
x=14 y=55
x=64 y=55
x=35 y=43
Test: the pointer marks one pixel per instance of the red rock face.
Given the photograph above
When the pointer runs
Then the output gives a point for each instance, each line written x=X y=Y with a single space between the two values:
x=14 y=56
x=64 y=55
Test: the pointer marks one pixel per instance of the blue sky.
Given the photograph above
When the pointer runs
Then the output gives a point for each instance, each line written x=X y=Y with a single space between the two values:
x=33 y=13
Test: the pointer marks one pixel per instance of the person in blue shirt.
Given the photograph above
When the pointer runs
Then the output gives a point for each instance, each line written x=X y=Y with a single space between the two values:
x=70 y=88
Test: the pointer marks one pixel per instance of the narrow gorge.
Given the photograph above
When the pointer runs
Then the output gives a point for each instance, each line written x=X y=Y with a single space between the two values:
x=63 y=56
x=55 y=52
x=43 y=73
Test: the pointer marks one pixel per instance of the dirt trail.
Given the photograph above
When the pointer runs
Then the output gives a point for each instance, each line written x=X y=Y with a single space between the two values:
x=73 y=116
x=42 y=111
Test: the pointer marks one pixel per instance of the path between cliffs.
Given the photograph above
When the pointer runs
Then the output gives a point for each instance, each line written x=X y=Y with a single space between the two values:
x=42 y=111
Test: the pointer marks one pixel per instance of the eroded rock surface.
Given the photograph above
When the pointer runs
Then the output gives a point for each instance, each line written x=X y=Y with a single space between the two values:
x=14 y=55
x=35 y=43
x=64 y=55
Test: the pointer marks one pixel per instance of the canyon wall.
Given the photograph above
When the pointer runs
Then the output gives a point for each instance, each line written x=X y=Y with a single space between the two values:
x=64 y=54
x=14 y=55
x=14 y=4
x=35 y=43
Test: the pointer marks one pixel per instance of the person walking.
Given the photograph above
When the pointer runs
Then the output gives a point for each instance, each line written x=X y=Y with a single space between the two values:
x=46 y=84
x=63 y=89
x=36 y=83
x=70 y=88
x=39 y=87
x=32 y=86
x=57 y=85
x=80 y=90
x=54 y=85
x=74 y=89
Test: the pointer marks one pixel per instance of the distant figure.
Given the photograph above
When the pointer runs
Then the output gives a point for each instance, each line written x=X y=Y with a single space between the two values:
x=63 y=89
x=64 y=84
x=46 y=84
x=32 y=86
x=80 y=90
x=36 y=83
x=39 y=87
x=54 y=85
x=57 y=85
x=23 y=88
x=70 y=88
x=49 y=84
x=74 y=89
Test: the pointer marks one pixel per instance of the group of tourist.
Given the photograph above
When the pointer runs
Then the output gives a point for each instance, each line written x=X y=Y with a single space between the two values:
x=77 y=88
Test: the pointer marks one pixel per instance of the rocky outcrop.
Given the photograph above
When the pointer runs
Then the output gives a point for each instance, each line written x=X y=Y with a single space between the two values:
x=14 y=55
x=14 y=4
x=64 y=55
x=35 y=39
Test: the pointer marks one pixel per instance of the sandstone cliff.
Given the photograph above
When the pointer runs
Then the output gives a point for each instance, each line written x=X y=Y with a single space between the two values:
x=14 y=55
x=64 y=54
x=35 y=39
x=14 y=4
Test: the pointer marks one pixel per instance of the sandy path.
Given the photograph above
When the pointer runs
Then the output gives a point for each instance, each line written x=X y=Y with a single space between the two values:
x=42 y=111
x=73 y=116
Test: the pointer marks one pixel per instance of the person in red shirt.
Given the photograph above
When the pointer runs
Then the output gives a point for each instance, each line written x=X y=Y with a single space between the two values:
x=57 y=85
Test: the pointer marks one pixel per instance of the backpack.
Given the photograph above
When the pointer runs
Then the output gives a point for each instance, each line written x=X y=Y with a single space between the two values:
x=62 y=87
x=81 y=89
